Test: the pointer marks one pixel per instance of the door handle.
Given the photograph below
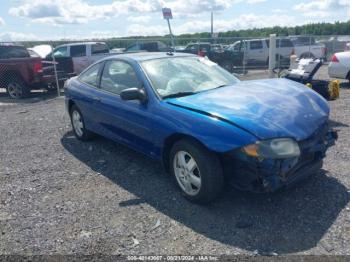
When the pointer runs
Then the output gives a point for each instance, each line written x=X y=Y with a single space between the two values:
x=96 y=99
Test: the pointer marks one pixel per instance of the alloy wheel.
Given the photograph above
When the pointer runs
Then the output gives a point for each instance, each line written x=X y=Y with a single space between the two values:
x=15 y=90
x=187 y=173
x=77 y=123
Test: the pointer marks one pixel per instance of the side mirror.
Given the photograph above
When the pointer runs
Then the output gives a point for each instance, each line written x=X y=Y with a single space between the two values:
x=134 y=93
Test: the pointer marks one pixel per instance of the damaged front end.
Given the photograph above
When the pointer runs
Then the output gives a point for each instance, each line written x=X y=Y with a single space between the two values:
x=259 y=168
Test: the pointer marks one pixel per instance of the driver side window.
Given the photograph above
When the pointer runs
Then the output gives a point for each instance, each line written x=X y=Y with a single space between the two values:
x=117 y=76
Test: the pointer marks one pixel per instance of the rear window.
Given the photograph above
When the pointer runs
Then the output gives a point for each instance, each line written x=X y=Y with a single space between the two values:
x=7 y=52
x=78 y=50
x=256 y=44
x=99 y=49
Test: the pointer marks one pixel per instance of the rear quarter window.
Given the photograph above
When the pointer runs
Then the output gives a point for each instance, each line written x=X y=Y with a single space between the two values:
x=7 y=52
x=99 y=49
x=91 y=75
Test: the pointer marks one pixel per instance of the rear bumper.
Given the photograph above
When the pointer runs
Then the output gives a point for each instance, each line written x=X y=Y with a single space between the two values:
x=337 y=70
x=252 y=174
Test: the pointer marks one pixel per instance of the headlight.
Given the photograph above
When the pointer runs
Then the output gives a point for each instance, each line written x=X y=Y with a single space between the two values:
x=278 y=148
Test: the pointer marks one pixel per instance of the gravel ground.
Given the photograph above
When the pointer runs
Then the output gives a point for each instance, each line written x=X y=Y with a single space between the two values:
x=61 y=196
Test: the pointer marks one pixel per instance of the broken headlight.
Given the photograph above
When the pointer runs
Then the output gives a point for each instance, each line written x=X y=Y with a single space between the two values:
x=278 y=148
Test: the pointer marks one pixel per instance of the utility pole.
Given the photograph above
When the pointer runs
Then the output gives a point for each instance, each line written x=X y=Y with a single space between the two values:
x=272 y=55
x=212 y=24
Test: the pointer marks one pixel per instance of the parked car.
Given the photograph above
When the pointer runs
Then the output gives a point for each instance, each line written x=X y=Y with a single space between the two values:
x=156 y=46
x=64 y=66
x=82 y=54
x=335 y=44
x=202 y=122
x=339 y=66
x=256 y=51
x=180 y=47
x=306 y=47
x=19 y=72
x=216 y=53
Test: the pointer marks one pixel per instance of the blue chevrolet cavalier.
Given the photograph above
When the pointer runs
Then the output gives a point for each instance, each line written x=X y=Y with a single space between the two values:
x=207 y=127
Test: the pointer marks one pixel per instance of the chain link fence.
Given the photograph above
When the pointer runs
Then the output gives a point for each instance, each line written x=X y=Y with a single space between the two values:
x=29 y=65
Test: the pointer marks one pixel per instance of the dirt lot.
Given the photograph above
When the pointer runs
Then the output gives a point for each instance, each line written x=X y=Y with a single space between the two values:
x=61 y=196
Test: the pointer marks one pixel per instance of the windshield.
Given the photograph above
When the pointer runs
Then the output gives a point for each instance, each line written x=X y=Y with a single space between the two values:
x=185 y=75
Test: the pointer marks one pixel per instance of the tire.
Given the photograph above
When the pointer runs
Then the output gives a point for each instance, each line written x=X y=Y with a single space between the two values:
x=78 y=125
x=16 y=88
x=204 y=182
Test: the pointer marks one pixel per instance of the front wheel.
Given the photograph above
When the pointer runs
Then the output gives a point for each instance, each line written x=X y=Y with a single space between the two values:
x=197 y=171
x=78 y=124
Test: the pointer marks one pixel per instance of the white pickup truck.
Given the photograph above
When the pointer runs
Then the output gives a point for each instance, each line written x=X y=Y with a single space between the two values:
x=256 y=51
x=306 y=47
x=82 y=54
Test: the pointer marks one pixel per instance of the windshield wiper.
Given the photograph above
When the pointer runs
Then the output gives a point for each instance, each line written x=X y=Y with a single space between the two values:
x=179 y=94
x=220 y=86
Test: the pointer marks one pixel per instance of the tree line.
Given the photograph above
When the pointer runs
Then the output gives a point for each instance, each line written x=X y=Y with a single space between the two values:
x=320 y=29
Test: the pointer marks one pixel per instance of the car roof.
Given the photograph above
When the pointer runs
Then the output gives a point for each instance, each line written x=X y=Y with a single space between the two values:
x=11 y=45
x=144 y=56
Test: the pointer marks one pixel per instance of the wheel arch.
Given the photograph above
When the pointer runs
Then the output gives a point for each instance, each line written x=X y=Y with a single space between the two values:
x=170 y=141
x=348 y=76
x=70 y=104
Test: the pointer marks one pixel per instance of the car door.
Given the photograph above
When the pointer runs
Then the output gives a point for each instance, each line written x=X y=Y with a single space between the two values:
x=256 y=51
x=129 y=122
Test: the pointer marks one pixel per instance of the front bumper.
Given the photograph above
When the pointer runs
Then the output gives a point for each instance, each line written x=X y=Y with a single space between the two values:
x=268 y=175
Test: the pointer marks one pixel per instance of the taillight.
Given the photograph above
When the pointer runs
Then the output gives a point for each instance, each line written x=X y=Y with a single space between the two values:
x=334 y=59
x=324 y=50
x=38 y=67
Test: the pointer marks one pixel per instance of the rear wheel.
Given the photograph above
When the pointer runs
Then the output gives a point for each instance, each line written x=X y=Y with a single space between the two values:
x=197 y=171
x=16 y=89
x=78 y=124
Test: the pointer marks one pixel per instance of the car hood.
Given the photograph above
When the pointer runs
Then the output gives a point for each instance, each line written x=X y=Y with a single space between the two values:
x=266 y=108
